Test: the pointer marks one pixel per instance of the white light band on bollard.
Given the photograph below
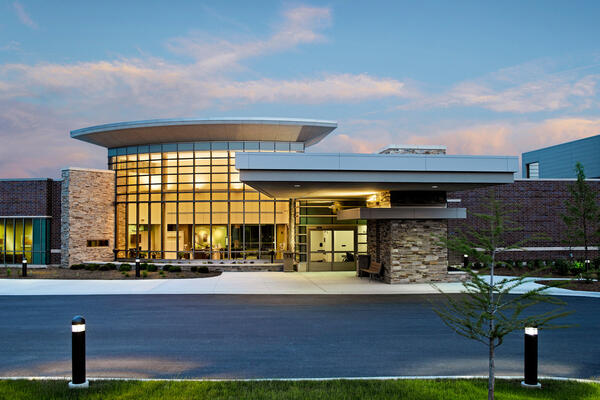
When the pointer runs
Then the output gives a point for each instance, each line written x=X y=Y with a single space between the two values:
x=78 y=328
x=531 y=331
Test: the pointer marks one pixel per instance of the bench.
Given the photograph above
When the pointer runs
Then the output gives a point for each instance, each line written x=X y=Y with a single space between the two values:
x=375 y=268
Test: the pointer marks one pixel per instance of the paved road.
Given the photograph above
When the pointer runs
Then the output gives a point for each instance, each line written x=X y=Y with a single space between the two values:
x=252 y=336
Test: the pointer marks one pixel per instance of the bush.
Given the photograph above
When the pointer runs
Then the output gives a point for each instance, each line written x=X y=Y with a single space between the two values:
x=77 y=266
x=103 y=267
x=143 y=266
x=174 y=268
x=111 y=266
x=561 y=267
x=124 y=267
x=152 y=268
x=144 y=274
x=167 y=267
x=162 y=273
x=91 y=267
x=576 y=267
x=203 y=270
x=194 y=268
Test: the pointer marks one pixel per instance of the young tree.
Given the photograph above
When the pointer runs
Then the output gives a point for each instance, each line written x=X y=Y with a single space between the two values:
x=486 y=312
x=582 y=211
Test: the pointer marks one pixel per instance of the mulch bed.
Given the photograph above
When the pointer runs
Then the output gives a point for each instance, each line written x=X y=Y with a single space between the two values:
x=547 y=273
x=63 y=273
x=575 y=285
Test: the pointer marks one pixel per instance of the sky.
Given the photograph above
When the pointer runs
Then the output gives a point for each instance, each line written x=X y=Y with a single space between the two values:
x=496 y=78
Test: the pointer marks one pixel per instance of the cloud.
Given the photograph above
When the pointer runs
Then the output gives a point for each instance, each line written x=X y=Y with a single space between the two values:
x=528 y=88
x=23 y=16
x=509 y=138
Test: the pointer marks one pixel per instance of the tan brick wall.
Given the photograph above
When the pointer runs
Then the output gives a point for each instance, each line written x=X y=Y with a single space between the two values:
x=88 y=213
x=410 y=250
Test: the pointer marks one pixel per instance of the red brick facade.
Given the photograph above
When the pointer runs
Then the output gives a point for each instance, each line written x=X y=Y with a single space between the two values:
x=538 y=204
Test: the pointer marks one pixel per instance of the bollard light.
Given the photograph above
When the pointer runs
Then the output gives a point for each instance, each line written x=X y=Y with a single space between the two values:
x=24 y=267
x=137 y=267
x=78 y=353
x=465 y=260
x=587 y=265
x=530 y=367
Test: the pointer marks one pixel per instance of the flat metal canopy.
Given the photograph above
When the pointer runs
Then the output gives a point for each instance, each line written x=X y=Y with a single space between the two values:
x=324 y=175
x=402 y=213
x=206 y=129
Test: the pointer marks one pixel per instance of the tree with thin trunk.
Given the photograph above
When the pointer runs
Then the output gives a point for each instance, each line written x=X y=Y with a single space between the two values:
x=490 y=309
x=582 y=212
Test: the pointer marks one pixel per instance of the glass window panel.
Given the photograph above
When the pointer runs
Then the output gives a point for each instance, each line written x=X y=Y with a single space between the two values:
x=186 y=162
x=170 y=196
x=186 y=178
x=170 y=234
x=219 y=146
x=156 y=196
x=219 y=186
x=236 y=196
x=186 y=170
x=220 y=169
x=267 y=146
x=219 y=161
x=202 y=196
x=121 y=181
x=202 y=156
x=202 y=146
x=28 y=239
x=294 y=146
x=2 y=245
x=143 y=197
x=251 y=146
x=144 y=156
x=236 y=145
x=204 y=169
x=143 y=189
x=282 y=146
x=220 y=154
x=155 y=230
x=185 y=149
x=251 y=195
x=282 y=214
x=155 y=148
x=220 y=177
x=186 y=196
x=169 y=147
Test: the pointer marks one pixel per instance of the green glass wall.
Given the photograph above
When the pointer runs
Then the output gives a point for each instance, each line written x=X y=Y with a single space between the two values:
x=24 y=238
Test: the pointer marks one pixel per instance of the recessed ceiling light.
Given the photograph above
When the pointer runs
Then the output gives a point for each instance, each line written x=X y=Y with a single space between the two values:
x=296 y=185
x=434 y=186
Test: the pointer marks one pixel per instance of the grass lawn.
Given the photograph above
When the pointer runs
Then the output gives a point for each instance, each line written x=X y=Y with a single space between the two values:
x=330 y=390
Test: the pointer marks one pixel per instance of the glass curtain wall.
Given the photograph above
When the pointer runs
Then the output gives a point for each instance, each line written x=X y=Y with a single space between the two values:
x=24 y=238
x=186 y=201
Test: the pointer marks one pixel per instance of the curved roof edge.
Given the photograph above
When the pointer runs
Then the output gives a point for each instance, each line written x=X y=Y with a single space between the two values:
x=200 y=121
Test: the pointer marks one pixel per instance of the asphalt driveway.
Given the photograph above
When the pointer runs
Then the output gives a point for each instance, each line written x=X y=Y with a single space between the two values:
x=271 y=336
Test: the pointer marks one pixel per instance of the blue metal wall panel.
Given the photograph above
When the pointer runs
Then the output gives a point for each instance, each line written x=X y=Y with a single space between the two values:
x=559 y=161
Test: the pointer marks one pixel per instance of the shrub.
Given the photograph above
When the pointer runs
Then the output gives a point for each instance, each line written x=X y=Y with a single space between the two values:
x=77 y=266
x=91 y=267
x=111 y=266
x=175 y=268
x=577 y=267
x=143 y=266
x=194 y=268
x=167 y=267
x=161 y=273
x=561 y=267
x=203 y=270
x=144 y=274
x=152 y=268
x=7 y=271
x=103 y=267
x=124 y=267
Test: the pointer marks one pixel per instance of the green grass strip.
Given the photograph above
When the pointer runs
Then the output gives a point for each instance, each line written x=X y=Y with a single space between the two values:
x=442 y=389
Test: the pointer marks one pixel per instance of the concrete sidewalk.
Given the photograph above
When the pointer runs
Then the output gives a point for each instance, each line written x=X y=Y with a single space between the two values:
x=243 y=283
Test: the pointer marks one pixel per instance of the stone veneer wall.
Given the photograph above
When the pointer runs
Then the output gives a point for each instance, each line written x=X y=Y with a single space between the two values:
x=410 y=250
x=88 y=213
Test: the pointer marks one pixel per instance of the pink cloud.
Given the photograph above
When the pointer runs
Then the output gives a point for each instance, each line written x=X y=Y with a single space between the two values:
x=24 y=16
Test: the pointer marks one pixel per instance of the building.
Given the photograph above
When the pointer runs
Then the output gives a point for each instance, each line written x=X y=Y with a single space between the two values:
x=232 y=191
x=559 y=161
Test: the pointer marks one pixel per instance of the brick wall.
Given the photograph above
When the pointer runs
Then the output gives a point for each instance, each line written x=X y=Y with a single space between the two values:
x=34 y=197
x=538 y=204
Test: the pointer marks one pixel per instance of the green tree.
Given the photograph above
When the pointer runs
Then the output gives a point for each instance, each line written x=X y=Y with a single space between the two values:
x=486 y=312
x=582 y=212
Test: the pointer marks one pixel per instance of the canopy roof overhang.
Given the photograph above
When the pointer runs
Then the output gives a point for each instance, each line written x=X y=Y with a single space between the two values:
x=206 y=129
x=305 y=175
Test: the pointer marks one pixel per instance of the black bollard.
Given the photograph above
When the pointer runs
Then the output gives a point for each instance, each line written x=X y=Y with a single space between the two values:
x=531 y=359
x=137 y=267
x=587 y=265
x=78 y=353
x=465 y=261
x=272 y=254
x=24 y=267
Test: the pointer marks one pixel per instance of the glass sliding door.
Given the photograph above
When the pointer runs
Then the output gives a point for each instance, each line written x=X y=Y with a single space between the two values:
x=332 y=249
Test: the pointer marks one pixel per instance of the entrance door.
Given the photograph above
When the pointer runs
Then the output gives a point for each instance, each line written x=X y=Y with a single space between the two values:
x=331 y=250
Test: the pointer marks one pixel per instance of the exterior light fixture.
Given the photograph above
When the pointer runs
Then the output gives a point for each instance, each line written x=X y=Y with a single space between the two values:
x=78 y=353
x=296 y=185
x=137 y=267
x=24 y=267
x=465 y=260
x=434 y=186
x=530 y=367
x=587 y=265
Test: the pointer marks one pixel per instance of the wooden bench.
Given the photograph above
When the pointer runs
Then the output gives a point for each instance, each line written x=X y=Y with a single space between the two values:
x=375 y=268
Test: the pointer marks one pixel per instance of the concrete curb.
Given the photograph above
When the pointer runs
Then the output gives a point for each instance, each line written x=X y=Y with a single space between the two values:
x=357 y=378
